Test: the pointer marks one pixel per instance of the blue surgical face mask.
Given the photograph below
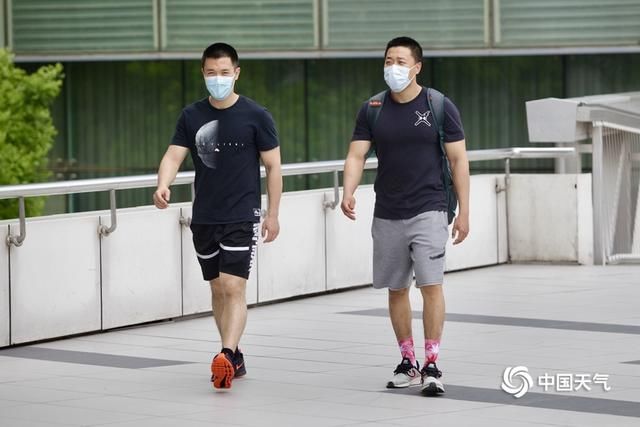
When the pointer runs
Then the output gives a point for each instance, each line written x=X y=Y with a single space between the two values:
x=220 y=87
x=397 y=77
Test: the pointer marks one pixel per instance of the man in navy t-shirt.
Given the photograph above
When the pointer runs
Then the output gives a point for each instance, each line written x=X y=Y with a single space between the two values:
x=227 y=135
x=410 y=218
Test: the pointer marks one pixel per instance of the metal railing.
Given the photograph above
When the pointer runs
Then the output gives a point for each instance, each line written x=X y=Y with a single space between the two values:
x=616 y=181
x=292 y=169
x=612 y=123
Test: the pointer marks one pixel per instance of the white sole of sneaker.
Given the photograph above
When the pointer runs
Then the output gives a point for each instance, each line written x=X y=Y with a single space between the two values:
x=416 y=382
x=433 y=387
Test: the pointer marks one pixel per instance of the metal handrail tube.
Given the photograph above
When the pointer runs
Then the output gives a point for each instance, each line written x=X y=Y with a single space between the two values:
x=631 y=113
x=103 y=230
x=19 y=239
x=290 y=169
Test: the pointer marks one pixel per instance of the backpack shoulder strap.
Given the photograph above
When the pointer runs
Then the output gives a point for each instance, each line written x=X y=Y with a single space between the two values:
x=435 y=99
x=374 y=107
x=436 y=105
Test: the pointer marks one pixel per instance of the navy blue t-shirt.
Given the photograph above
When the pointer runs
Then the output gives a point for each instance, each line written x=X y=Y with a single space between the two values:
x=409 y=177
x=225 y=146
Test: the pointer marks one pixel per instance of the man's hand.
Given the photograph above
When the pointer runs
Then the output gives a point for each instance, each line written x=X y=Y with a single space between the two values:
x=348 y=207
x=460 y=228
x=167 y=171
x=270 y=229
x=161 y=197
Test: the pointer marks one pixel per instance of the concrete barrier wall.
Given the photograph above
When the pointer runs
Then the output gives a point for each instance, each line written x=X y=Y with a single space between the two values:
x=141 y=267
x=294 y=264
x=65 y=279
x=349 y=243
x=585 y=219
x=196 y=296
x=486 y=244
x=4 y=288
x=550 y=218
x=55 y=278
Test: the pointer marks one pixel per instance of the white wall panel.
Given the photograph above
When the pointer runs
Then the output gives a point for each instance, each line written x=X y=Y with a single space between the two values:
x=585 y=220
x=4 y=286
x=543 y=219
x=349 y=243
x=141 y=272
x=196 y=292
x=481 y=245
x=196 y=295
x=503 y=231
x=293 y=264
x=55 y=278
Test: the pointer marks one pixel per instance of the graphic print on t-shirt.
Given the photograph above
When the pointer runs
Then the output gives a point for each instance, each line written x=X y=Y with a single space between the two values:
x=225 y=146
x=207 y=143
x=423 y=118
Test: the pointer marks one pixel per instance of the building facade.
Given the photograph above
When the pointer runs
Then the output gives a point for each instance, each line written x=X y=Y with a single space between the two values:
x=131 y=65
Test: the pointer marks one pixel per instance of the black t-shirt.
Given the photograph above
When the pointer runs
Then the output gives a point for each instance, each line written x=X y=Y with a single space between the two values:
x=409 y=177
x=225 y=146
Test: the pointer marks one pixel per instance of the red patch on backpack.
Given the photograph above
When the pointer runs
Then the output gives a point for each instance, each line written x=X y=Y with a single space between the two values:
x=375 y=103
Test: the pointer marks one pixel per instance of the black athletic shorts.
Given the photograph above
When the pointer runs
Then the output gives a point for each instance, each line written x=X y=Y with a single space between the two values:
x=226 y=248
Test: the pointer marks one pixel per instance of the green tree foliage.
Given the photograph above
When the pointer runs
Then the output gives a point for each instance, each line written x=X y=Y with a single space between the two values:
x=26 y=128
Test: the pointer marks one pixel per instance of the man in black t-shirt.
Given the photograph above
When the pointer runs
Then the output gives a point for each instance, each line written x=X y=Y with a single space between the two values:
x=410 y=218
x=227 y=135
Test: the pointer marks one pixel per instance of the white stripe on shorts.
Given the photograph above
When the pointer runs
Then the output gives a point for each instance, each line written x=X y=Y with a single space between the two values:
x=208 y=256
x=234 y=248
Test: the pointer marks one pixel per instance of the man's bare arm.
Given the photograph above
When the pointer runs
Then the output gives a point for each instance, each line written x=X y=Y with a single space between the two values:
x=457 y=155
x=272 y=165
x=167 y=172
x=353 y=167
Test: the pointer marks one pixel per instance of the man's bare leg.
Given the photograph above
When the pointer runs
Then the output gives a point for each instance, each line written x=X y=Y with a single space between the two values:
x=217 y=303
x=233 y=318
x=400 y=313
x=433 y=313
x=229 y=301
x=406 y=374
x=433 y=309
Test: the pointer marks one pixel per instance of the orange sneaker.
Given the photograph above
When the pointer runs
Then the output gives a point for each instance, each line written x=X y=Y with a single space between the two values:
x=222 y=370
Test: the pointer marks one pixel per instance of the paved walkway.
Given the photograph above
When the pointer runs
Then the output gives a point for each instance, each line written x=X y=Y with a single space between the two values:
x=324 y=361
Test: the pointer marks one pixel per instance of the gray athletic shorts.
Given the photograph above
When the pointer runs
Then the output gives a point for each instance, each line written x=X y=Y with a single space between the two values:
x=402 y=247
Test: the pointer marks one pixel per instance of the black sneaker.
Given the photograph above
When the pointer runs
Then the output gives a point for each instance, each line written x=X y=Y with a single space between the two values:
x=238 y=362
x=405 y=375
x=431 y=385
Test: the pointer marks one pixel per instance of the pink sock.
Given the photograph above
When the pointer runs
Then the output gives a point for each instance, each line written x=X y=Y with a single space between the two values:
x=431 y=350
x=407 y=350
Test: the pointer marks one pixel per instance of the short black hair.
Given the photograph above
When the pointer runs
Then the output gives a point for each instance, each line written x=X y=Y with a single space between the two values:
x=220 y=50
x=408 y=42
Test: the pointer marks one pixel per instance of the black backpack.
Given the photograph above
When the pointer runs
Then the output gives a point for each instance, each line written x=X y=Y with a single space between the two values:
x=436 y=105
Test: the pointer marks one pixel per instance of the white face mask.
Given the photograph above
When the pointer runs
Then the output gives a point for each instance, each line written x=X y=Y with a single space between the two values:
x=220 y=87
x=397 y=77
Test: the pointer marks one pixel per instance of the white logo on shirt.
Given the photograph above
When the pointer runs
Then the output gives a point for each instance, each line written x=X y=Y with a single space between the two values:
x=422 y=118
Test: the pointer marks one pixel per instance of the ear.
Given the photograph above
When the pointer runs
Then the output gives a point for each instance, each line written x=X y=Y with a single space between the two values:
x=418 y=68
x=237 y=73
